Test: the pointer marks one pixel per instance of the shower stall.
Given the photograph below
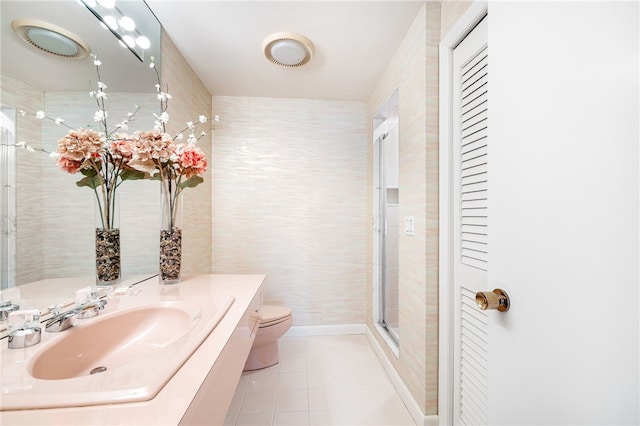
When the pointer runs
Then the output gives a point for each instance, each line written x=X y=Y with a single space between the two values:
x=387 y=220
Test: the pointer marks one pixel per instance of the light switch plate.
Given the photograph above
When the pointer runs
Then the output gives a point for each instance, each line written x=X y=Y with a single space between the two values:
x=408 y=226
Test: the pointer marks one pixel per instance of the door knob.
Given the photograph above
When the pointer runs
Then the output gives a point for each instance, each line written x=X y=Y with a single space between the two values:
x=496 y=299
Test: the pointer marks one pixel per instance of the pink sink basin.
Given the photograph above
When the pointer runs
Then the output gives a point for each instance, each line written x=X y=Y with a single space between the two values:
x=123 y=355
x=105 y=343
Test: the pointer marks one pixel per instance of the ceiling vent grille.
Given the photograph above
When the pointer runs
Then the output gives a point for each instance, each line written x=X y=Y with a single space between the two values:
x=288 y=49
x=50 y=38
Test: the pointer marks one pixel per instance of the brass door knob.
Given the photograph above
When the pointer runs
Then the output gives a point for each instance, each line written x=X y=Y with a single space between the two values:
x=496 y=299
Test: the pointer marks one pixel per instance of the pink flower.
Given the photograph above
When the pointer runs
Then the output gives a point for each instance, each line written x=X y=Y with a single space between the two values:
x=121 y=148
x=192 y=161
x=80 y=145
x=69 y=165
x=152 y=145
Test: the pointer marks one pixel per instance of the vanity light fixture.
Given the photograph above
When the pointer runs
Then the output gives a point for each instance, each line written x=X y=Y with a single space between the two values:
x=288 y=49
x=121 y=25
x=50 y=38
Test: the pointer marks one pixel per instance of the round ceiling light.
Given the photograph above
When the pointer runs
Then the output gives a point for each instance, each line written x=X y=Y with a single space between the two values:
x=50 y=38
x=288 y=49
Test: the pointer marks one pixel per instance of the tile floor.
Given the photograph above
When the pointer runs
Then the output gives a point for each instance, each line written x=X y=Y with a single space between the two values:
x=320 y=380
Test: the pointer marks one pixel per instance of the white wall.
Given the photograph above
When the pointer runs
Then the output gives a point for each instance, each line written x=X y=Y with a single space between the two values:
x=290 y=201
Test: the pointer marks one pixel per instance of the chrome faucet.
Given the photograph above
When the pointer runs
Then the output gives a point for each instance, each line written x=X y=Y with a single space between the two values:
x=6 y=307
x=65 y=320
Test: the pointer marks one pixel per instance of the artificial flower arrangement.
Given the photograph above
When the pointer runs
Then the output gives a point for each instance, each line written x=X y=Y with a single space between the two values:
x=106 y=158
x=177 y=165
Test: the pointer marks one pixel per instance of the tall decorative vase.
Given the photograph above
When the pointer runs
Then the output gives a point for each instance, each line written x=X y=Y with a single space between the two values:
x=107 y=240
x=171 y=235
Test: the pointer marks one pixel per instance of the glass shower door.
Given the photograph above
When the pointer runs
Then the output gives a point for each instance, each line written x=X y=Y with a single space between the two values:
x=388 y=219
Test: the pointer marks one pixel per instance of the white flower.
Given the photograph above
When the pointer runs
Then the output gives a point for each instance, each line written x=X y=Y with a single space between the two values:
x=157 y=125
x=54 y=155
x=216 y=118
x=100 y=115
x=30 y=149
x=152 y=65
x=190 y=124
x=101 y=85
x=192 y=139
x=101 y=95
x=123 y=125
x=97 y=63
x=21 y=144
x=92 y=93
x=164 y=117
x=157 y=87
x=129 y=114
x=40 y=115
x=23 y=113
x=179 y=136
x=59 y=121
x=202 y=119
x=203 y=134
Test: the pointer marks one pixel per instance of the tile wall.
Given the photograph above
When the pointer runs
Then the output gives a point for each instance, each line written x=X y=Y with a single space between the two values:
x=21 y=96
x=190 y=100
x=290 y=200
x=414 y=72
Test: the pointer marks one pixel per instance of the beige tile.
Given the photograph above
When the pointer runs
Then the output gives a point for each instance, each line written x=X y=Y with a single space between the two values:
x=369 y=397
x=326 y=418
x=293 y=365
x=381 y=416
x=365 y=377
x=324 y=400
x=229 y=420
x=258 y=402
x=293 y=418
x=323 y=378
x=288 y=381
x=254 y=419
x=264 y=374
x=291 y=347
x=236 y=402
x=292 y=400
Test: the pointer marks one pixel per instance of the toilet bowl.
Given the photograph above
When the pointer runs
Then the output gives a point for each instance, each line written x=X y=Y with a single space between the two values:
x=275 y=321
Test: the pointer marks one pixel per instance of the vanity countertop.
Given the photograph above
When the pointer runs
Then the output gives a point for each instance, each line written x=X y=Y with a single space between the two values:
x=173 y=400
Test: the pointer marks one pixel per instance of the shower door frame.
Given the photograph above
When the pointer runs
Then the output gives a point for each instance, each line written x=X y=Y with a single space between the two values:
x=7 y=197
x=381 y=132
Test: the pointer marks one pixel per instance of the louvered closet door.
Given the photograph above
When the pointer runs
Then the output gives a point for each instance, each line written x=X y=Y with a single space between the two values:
x=470 y=197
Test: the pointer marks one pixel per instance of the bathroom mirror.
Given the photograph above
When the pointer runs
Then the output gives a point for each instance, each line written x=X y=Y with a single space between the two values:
x=53 y=225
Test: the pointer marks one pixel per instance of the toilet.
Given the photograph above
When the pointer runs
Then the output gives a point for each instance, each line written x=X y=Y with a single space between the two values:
x=275 y=321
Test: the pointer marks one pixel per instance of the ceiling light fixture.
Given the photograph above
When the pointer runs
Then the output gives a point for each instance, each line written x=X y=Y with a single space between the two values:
x=50 y=38
x=288 y=49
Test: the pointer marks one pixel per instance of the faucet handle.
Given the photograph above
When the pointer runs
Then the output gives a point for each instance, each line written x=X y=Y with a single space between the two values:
x=90 y=309
x=6 y=307
x=24 y=328
x=87 y=294
x=55 y=309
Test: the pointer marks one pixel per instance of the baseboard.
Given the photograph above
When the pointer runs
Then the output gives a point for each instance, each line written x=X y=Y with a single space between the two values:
x=398 y=383
x=325 y=330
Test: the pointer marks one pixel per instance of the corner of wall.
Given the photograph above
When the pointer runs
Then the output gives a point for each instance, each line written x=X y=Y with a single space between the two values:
x=190 y=99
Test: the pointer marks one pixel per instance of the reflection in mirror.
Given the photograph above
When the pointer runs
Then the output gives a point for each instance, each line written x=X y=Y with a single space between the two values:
x=7 y=195
x=54 y=229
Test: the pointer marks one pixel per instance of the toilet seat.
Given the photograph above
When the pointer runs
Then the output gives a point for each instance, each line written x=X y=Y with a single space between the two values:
x=274 y=314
